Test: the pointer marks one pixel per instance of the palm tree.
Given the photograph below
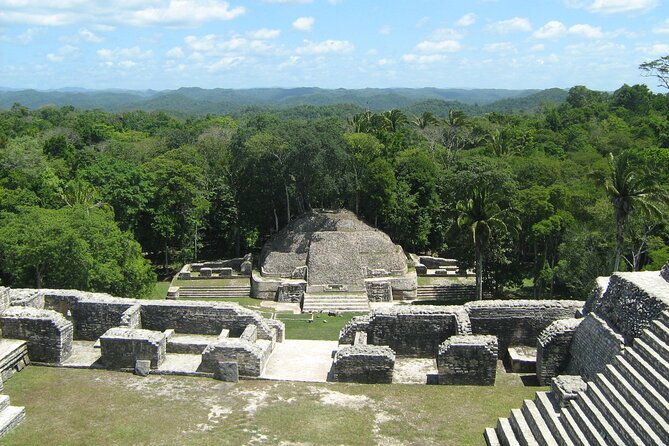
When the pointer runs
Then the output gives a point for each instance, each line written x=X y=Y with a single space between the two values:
x=394 y=119
x=629 y=190
x=482 y=215
x=425 y=119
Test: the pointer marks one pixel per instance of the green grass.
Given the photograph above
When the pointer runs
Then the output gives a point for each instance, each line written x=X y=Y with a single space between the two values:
x=160 y=290
x=86 y=407
x=323 y=327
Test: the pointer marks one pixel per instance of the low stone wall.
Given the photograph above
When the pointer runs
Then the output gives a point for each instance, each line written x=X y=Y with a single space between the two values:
x=26 y=297
x=264 y=288
x=593 y=346
x=553 y=347
x=251 y=357
x=132 y=317
x=415 y=330
x=47 y=333
x=518 y=322
x=123 y=347
x=595 y=297
x=665 y=272
x=361 y=363
x=468 y=360
x=92 y=318
x=631 y=301
x=291 y=291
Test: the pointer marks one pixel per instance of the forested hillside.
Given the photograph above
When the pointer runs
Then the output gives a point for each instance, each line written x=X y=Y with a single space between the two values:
x=549 y=198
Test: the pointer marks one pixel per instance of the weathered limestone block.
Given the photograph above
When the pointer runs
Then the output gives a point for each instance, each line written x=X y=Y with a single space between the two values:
x=264 y=288
x=593 y=346
x=278 y=327
x=379 y=290
x=4 y=298
x=142 y=367
x=250 y=334
x=421 y=269
x=404 y=286
x=123 y=347
x=371 y=364
x=251 y=358
x=523 y=358
x=27 y=297
x=173 y=293
x=205 y=272
x=225 y=272
x=227 y=371
x=299 y=272
x=437 y=262
x=632 y=301
x=356 y=324
x=292 y=292
x=566 y=387
x=518 y=322
x=468 y=360
x=93 y=317
x=131 y=318
x=665 y=272
x=594 y=300
x=184 y=274
x=360 y=338
x=47 y=333
x=245 y=268
x=553 y=345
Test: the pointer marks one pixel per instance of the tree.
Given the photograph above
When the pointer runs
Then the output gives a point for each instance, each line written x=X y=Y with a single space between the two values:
x=362 y=150
x=394 y=119
x=658 y=68
x=482 y=216
x=629 y=190
x=424 y=120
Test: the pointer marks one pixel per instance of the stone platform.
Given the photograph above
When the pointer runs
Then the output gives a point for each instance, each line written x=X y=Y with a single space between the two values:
x=13 y=357
x=300 y=360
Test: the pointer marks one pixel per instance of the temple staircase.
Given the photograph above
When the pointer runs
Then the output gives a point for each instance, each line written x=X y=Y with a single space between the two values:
x=336 y=301
x=446 y=292
x=626 y=404
x=214 y=292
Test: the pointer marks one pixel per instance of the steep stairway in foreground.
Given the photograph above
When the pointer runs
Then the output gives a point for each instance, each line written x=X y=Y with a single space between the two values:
x=10 y=416
x=341 y=302
x=446 y=292
x=626 y=404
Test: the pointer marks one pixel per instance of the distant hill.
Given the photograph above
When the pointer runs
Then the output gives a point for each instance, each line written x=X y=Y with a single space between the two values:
x=198 y=101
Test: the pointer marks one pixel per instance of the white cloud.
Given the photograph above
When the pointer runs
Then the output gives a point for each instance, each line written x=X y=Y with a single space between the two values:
x=443 y=46
x=62 y=53
x=663 y=28
x=325 y=47
x=385 y=30
x=264 y=34
x=537 y=47
x=614 y=6
x=304 y=23
x=123 y=12
x=175 y=53
x=335 y=2
x=89 y=36
x=500 y=47
x=422 y=22
x=27 y=36
x=124 y=58
x=219 y=46
x=385 y=62
x=446 y=34
x=423 y=59
x=516 y=24
x=658 y=49
x=466 y=20
x=551 y=30
x=585 y=30
x=289 y=2
x=225 y=63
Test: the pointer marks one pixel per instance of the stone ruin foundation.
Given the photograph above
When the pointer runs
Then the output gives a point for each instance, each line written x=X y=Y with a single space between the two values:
x=468 y=360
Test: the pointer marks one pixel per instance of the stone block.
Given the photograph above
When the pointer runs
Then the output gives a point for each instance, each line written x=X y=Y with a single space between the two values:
x=523 y=359
x=468 y=360
x=594 y=345
x=205 y=272
x=421 y=269
x=291 y=292
x=173 y=293
x=142 y=367
x=360 y=338
x=566 y=387
x=665 y=272
x=553 y=345
x=379 y=290
x=250 y=358
x=225 y=272
x=227 y=371
x=245 y=268
x=123 y=347
x=47 y=333
x=370 y=364
x=4 y=298
x=26 y=297
x=299 y=272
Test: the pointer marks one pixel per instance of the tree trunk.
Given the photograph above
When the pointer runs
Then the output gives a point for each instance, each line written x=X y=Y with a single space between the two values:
x=276 y=220
x=479 y=274
x=285 y=186
x=620 y=241
x=167 y=259
x=38 y=277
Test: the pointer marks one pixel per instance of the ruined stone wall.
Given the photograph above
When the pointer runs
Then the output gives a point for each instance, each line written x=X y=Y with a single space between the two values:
x=123 y=347
x=4 y=298
x=553 y=347
x=92 y=318
x=26 y=297
x=593 y=346
x=360 y=363
x=250 y=357
x=132 y=317
x=468 y=360
x=410 y=330
x=665 y=272
x=518 y=322
x=632 y=301
x=47 y=333
x=595 y=297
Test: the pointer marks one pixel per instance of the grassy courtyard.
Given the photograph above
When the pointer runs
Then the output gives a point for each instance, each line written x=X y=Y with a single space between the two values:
x=92 y=407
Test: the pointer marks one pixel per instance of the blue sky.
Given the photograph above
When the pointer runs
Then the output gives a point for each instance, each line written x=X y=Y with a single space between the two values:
x=167 y=44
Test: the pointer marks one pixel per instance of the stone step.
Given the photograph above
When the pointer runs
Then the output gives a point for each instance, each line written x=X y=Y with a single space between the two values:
x=537 y=424
x=660 y=329
x=652 y=392
x=505 y=433
x=598 y=420
x=664 y=317
x=546 y=407
x=656 y=344
x=11 y=417
x=521 y=429
x=647 y=371
x=4 y=402
x=215 y=288
x=491 y=437
x=585 y=424
x=627 y=411
x=618 y=422
x=637 y=400
x=652 y=357
x=572 y=428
